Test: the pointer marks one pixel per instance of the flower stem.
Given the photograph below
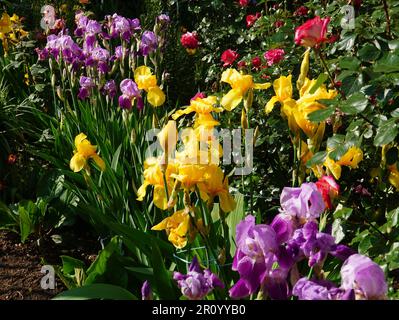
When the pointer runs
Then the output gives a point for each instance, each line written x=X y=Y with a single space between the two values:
x=387 y=18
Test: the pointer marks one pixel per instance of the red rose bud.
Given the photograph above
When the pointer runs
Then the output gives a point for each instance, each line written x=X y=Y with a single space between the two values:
x=11 y=159
x=333 y=38
x=329 y=189
x=241 y=64
x=189 y=40
x=357 y=3
x=338 y=84
x=243 y=3
x=279 y=23
x=256 y=62
x=200 y=95
x=228 y=57
x=301 y=11
x=312 y=33
x=251 y=19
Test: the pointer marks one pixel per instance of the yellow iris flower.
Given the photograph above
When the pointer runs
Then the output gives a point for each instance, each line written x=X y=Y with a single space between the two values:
x=153 y=175
x=215 y=184
x=240 y=84
x=177 y=226
x=394 y=176
x=351 y=159
x=147 y=81
x=5 y=23
x=199 y=106
x=84 y=151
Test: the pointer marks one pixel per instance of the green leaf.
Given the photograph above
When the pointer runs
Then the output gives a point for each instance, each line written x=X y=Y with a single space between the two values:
x=393 y=217
x=338 y=231
x=389 y=63
x=338 y=152
x=352 y=84
x=393 y=44
x=96 y=291
x=342 y=213
x=317 y=158
x=69 y=265
x=386 y=133
x=320 y=80
x=115 y=158
x=355 y=103
x=26 y=211
x=369 y=52
x=321 y=115
x=233 y=219
x=350 y=63
x=162 y=276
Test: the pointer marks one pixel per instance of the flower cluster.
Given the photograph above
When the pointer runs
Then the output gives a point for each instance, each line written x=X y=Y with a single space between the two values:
x=267 y=256
x=193 y=169
x=11 y=31
x=99 y=49
x=197 y=283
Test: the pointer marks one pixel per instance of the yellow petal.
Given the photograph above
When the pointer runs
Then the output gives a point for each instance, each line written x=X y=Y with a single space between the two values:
x=232 y=99
x=227 y=202
x=77 y=162
x=142 y=191
x=334 y=167
x=262 y=86
x=79 y=138
x=270 y=104
x=159 y=197
x=230 y=76
x=155 y=96
x=161 y=226
x=100 y=162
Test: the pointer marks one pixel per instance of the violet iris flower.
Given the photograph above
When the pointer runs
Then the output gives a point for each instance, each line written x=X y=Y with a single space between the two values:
x=364 y=276
x=305 y=202
x=146 y=292
x=255 y=255
x=306 y=289
x=196 y=284
x=129 y=92
x=86 y=84
x=148 y=44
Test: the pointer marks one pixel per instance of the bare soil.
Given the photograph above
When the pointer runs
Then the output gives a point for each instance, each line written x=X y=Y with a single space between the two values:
x=21 y=263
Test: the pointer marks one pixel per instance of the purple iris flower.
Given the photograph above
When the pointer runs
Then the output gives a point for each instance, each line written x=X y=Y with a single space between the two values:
x=148 y=44
x=196 y=284
x=93 y=27
x=284 y=226
x=86 y=84
x=306 y=289
x=255 y=255
x=109 y=89
x=308 y=242
x=134 y=24
x=163 y=20
x=305 y=203
x=146 y=292
x=129 y=92
x=42 y=54
x=364 y=276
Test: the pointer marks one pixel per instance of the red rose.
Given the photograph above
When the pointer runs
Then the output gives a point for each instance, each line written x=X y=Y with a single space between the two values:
x=274 y=56
x=333 y=38
x=243 y=3
x=251 y=19
x=241 y=64
x=228 y=57
x=312 y=32
x=279 y=23
x=189 y=40
x=301 y=11
x=328 y=188
x=256 y=62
